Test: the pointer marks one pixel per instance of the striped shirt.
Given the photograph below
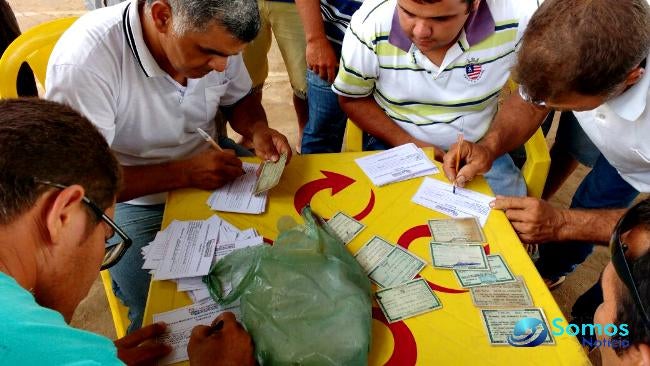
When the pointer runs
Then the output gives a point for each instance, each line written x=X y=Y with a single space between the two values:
x=433 y=103
x=336 y=18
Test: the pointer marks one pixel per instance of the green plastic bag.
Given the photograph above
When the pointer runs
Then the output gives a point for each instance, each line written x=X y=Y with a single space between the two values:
x=305 y=300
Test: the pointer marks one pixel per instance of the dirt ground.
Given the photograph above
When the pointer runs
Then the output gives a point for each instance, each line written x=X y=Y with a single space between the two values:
x=93 y=313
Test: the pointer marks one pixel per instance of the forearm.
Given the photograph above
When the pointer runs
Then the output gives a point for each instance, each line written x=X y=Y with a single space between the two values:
x=247 y=115
x=515 y=122
x=312 y=20
x=149 y=179
x=595 y=225
x=367 y=114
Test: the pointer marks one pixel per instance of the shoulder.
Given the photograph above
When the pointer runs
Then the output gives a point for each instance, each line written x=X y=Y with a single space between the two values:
x=511 y=10
x=97 y=35
x=28 y=330
x=375 y=14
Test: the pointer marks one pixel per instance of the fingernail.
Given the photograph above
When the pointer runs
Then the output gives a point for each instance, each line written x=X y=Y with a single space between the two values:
x=460 y=181
x=492 y=204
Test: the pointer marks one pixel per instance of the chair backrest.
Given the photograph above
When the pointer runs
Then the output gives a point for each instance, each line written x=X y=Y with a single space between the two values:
x=34 y=47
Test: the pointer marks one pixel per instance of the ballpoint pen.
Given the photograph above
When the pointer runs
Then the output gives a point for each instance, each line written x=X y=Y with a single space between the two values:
x=209 y=139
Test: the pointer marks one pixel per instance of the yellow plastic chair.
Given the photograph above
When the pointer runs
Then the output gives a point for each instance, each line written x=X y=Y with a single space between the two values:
x=534 y=171
x=118 y=310
x=34 y=47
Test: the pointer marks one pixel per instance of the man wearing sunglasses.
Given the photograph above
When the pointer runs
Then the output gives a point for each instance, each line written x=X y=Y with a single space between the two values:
x=58 y=184
x=588 y=57
x=626 y=288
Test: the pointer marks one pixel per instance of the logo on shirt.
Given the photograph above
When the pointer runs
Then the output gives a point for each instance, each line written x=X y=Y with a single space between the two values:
x=473 y=70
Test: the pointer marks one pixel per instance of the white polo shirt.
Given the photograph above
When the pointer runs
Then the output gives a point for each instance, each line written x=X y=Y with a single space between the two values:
x=620 y=129
x=432 y=102
x=102 y=67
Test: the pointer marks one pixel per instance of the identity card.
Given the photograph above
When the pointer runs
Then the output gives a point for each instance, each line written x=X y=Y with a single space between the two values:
x=345 y=227
x=458 y=230
x=508 y=295
x=398 y=267
x=518 y=327
x=373 y=252
x=407 y=300
x=467 y=257
x=270 y=174
x=498 y=273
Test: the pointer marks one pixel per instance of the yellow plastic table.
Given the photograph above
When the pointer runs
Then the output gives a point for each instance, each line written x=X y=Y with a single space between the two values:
x=453 y=335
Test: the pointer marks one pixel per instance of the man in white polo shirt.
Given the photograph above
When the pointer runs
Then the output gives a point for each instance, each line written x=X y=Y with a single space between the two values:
x=148 y=74
x=423 y=71
x=589 y=57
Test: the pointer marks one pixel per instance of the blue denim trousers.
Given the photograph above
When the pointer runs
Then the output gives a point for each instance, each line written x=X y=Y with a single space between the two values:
x=141 y=223
x=326 y=124
x=602 y=188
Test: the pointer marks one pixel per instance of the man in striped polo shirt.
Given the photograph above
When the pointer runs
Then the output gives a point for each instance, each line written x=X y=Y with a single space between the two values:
x=423 y=71
x=325 y=23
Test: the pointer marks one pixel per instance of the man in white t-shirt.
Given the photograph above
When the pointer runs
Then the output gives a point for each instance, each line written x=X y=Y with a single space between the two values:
x=588 y=57
x=148 y=74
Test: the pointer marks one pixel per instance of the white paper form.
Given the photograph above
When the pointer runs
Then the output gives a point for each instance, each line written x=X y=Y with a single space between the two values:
x=190 y=250
x=397 y=164
x=156 y=249
x=237 y=196
x=180 y=323
x=438 y=196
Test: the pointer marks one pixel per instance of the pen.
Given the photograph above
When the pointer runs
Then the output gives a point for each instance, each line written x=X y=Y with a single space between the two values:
x=460 y=145
x=209 y=139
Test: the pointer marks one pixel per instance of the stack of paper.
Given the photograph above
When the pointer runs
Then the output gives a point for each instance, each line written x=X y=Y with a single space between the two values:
x=238 y=195
x=185 y=251
x=397 y=164
x=180 y=323
x=438 y=196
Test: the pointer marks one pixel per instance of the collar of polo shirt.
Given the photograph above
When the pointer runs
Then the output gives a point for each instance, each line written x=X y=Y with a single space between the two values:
x=478 y=27
x=132 y=27
x=631 y=104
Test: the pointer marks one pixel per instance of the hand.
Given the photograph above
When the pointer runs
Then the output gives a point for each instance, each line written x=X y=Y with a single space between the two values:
x=475 y=159
x=230 y=345
x=438 y=152
x=212 y=169
x=269 y=144
x=534 y=220
x=140 y=347
x=321 y=59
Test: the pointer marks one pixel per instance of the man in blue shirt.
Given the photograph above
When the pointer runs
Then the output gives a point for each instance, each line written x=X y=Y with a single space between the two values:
x=58 y=184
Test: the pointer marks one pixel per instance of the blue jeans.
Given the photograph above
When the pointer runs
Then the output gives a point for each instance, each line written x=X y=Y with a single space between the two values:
x=130 y=281
x=602 y=188
x=141 y=223
x=570 y=137
x=326 y=124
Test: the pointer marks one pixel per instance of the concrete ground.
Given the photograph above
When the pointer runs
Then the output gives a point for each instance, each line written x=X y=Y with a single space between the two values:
x=93 y=313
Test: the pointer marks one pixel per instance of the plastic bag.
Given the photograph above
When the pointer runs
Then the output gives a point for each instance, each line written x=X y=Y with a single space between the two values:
x=305 y=300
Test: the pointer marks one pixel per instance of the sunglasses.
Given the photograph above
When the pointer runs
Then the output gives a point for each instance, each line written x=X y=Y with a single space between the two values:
x=621 y=264
x=115 y=248
x=528 y=99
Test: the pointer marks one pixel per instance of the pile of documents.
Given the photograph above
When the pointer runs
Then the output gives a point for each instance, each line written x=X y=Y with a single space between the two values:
x=248 y=193
x=502 y=298
x=397 y=164
x=392 y=268
x=239 y=195
x=185 y=251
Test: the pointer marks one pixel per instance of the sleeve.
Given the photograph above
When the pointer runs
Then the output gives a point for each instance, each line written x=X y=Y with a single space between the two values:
x=87 y=93
x=239 y=81
x=359 y=64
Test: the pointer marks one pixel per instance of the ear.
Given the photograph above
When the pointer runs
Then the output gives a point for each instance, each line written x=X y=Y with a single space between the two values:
x=63 y=211
x=161 y=14
x=634 y=76
x=644 y=353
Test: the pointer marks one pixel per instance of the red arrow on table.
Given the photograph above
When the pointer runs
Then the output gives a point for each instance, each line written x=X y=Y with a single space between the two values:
x=334 y=181
x=422 y=231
